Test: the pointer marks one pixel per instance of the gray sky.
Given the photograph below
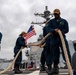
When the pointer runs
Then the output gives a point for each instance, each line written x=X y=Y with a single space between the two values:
x=16 y=16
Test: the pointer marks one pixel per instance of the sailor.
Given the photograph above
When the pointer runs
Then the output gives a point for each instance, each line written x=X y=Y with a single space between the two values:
x=74 y=44
x=47 y=51
x=74 y=60
x=55 y=24
x=0 y=39
x=20 y=42
x=74 y=63
x=44 y=59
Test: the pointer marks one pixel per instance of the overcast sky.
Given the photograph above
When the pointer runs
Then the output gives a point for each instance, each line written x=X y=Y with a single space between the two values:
x=16 y=16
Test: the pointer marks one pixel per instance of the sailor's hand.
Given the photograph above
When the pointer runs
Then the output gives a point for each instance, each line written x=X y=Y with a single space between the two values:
x=41 y=46
x=56 y=30
x=37 y=44
x=56 y=34
x=22 y=47
x=28 y=46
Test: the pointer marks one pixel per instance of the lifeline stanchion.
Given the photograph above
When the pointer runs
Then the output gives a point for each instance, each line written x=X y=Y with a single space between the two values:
x=65 y=53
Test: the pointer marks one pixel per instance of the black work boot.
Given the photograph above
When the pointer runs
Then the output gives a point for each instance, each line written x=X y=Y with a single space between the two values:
x=55 y=69
x=65 y=67
x=42 y=68
x=17 y=71
x=49 y=70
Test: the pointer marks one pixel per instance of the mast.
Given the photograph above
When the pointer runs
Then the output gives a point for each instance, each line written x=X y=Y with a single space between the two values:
x=46 y=15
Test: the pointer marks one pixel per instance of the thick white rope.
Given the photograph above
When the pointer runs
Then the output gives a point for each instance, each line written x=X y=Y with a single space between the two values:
x=64 y=49
x=9 y=67
x=44 y=38
x=65 y=53
x=40 y=42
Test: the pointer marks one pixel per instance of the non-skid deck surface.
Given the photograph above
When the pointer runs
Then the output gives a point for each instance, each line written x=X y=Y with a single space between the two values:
x=24 y=72
x=36 y=72
x=61 y=72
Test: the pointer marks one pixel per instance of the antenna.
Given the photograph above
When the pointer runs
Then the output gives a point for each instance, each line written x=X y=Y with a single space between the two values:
x=46 y=15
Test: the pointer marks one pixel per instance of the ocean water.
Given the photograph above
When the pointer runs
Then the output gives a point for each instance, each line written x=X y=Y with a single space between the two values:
x=4 y=65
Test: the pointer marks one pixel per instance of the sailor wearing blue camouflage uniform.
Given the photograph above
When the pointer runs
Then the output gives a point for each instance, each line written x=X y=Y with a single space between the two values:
x=54 y=25
x=0 y=37
x=45 y=55
x=74 y=59
x=20 y=42
x=48 y=53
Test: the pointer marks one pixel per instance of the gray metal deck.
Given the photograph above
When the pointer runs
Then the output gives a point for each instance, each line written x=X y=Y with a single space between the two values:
x=27 y=72
x=61 y=72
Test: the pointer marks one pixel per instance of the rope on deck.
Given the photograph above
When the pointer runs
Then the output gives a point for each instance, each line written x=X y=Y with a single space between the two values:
x=64 y=49
x=9 y=67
